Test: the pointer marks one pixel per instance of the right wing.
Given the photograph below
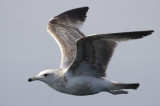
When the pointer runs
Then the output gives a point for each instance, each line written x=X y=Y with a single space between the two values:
x=64 y=28
x=94 y=52
x=123 y=36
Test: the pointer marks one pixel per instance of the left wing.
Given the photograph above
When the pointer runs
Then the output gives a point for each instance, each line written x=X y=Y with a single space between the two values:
x=64 y=28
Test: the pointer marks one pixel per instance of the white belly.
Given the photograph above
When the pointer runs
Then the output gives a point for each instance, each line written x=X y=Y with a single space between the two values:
x=85 y=85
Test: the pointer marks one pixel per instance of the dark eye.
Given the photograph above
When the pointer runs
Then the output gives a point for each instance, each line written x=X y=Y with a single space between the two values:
x=46 y=75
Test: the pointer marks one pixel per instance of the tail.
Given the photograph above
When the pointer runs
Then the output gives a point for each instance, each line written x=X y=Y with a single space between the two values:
x=116 y=88
x=127 y=86
x=131 y=86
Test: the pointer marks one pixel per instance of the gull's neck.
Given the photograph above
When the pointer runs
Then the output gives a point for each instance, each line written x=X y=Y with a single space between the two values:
x=59 y=82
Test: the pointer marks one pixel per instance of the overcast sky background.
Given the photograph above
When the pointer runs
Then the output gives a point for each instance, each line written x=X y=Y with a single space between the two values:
x=26 y=48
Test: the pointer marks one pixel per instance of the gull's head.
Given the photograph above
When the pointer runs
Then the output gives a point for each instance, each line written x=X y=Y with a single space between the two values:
x=46 y=76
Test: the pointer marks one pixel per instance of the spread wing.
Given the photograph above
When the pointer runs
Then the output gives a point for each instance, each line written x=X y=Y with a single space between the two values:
x=94 y=52
x=64 y=28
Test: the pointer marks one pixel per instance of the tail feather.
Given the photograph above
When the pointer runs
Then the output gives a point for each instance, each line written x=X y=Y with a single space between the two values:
x=127 y=86
x=131 y=86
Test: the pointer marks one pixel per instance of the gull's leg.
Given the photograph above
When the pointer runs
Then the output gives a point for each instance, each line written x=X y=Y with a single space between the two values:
x=115 y=92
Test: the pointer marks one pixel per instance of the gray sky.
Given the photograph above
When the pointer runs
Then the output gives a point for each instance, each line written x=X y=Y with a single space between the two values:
x=26 y=48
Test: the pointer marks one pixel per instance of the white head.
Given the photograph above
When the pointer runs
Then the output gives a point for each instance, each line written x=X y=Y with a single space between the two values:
x=47 y=76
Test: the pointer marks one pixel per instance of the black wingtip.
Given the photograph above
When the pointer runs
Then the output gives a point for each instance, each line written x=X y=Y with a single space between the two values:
x=77 y=13
x=146 y=33
x=149 y=31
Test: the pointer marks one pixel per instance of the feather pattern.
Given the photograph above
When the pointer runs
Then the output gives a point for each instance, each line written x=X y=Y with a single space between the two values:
x=94 y=52
x=64 y=28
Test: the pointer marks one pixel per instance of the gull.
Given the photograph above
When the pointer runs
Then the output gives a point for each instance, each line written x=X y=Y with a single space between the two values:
x=84 y=58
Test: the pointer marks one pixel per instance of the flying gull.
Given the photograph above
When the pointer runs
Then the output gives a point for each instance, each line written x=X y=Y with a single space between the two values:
x=84 y=58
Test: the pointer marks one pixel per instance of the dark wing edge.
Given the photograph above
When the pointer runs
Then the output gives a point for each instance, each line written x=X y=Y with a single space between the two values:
x=72 y=18
x=77 y=13
x=95 y=52
x=124 y=36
